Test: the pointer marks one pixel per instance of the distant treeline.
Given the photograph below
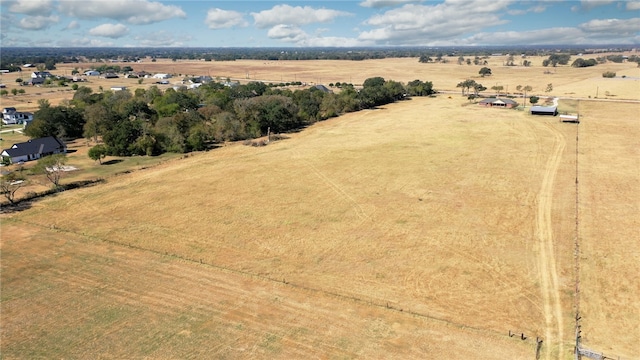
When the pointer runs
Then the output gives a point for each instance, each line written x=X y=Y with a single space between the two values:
x=151 y=122
x=15 y=57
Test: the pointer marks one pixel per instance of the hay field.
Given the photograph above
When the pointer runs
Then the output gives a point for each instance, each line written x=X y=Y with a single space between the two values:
x=567 y=81
x=427 y=228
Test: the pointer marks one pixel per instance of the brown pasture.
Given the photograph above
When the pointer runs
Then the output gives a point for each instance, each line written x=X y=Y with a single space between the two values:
x=567 y=81
x=428 y=228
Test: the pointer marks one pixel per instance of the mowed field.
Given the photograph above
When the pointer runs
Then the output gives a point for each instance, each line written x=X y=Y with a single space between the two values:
x=426 y=228
x=566 y=81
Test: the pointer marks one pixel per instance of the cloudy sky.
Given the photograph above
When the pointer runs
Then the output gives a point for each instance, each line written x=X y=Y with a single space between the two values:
x=240 y=23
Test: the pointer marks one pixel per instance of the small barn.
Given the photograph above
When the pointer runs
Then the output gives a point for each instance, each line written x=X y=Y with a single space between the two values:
x=34 y=149
x=544 y=110
x=498 y=102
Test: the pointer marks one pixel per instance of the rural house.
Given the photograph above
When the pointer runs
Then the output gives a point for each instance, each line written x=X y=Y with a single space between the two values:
x=497 y=102
x=544 y=110
x=33 y=149
x=41 y=74
x=92 y=73
x=11 y=116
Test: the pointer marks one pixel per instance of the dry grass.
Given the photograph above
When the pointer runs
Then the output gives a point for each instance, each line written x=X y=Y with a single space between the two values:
x=412 y=231
x=567 y=81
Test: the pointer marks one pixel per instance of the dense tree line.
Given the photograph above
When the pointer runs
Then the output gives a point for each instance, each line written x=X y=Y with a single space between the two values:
x=151 y=122
x=18 y=56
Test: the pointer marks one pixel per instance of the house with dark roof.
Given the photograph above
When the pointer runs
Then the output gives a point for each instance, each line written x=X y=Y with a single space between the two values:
x=323 y=88
x=11 y=116
x=498 y=102
x=544 y=110
x=34 y=149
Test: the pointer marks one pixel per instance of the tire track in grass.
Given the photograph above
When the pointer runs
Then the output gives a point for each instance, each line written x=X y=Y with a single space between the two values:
x=546 y=255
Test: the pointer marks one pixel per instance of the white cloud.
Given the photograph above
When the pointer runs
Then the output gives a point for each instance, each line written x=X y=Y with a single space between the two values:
x=612 y=27
x=295 y=35
x=419 y=24
x=37 y=22
x=633 y=5
x=385 y=3
x=85 y=42
x=587 y=5
x=72 y=25
x=113 y=31
x=287 y=33
x=162 y=39
x=32 y=7
x=221 y=19
x=298 y=15
x=135 y=12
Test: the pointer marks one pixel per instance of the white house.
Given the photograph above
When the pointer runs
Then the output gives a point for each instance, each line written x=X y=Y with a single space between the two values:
x=41 y=74
x=10 y=116
x=118 y=88
x=161 y=76
x=34 y=149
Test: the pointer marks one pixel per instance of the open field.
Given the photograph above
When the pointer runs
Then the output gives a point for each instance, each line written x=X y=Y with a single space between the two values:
x=429 y=228
x=567 y=81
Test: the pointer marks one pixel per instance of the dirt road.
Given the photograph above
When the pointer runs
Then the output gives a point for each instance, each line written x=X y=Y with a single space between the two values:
x=546 y=253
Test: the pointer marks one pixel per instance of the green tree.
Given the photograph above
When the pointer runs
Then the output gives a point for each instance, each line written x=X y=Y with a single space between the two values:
x=4 y=92
x=484 y=71
x=52 y=167
x=98 y=152
x=10 y=184
x=498 y=89
x=14 y=91
x=534 y=99
x=19 y=80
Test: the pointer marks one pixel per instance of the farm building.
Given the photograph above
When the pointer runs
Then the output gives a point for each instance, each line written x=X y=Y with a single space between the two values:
x=544 y=110
x=497 y=102
x=569 y=118
x=118 y=88
x=92 y=73
x=34 y=149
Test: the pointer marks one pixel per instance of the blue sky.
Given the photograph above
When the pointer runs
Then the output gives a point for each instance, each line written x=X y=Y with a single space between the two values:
x=240 y=23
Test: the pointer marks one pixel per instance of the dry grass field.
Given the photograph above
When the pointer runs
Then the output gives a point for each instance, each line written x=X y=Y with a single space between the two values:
x=429 y=228
x=567 y=81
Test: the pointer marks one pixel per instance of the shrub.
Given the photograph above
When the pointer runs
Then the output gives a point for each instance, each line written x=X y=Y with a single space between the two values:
x=608 y=74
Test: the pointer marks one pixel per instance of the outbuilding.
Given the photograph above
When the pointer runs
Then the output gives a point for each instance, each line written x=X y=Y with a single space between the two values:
x=544 y=110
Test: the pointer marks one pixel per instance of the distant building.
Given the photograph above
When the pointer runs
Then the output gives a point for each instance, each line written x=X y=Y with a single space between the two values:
x=498 y=102
x=118 y=88
x=92 y=73
x=544 y=110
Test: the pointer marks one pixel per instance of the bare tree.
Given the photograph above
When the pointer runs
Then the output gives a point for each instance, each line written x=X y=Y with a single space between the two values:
x=10 y=184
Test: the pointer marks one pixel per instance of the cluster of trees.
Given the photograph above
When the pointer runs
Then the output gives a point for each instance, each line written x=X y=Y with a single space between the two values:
x=556 y=59
x=151 y=122
x=580 y=62
x=471 y=84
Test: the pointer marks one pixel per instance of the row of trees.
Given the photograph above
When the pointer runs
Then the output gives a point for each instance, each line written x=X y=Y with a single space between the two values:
x=151 y=122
